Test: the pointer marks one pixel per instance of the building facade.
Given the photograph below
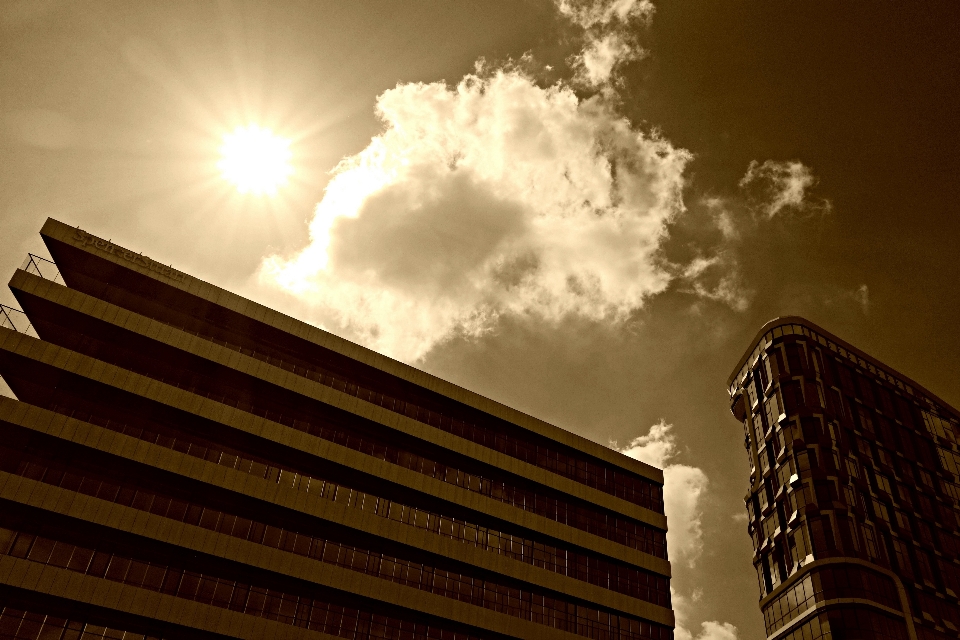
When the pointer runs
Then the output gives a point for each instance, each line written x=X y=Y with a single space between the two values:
x=853 y=490
x=180 y=462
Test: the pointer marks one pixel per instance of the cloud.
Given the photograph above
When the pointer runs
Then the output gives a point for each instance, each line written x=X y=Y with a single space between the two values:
x=777 y=186
x=495 y=196
x=717 y=278
x=709 y=630
x=590 y=14
x=713 y=246
x=609 y=36
x=722 y=217
x=683 y=488
x=601 y=55
x=862 y=296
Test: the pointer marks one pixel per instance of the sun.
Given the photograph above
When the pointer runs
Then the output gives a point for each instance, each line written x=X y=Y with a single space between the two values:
x=255 y=160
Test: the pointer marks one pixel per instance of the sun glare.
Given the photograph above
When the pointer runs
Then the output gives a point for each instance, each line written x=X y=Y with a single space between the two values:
x=255 y=160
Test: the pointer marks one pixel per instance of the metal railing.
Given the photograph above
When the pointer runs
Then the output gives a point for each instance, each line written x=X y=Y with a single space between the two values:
x=17 y=320
x=42 y=267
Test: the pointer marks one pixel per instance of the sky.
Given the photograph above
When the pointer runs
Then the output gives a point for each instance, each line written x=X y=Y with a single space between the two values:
x=584 y=210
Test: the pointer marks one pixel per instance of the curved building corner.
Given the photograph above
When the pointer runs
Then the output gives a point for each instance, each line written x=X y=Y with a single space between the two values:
x=852 y=506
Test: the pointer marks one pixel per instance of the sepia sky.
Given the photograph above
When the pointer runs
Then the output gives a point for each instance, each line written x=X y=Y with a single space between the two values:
x=583 y=209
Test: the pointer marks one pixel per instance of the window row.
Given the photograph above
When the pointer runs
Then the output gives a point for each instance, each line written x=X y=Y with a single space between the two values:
x=580 y=516
x=850 y=623
x=937 y=608
x=909 y=487
x=301 y=610
x=832 y=535
x=811 y=363
x=821 y=537
x=17 y=624
x=580 y=566
x=649 y=587
x=271 y=604
x=500 y=437
x=829 y=583
x=826 y=345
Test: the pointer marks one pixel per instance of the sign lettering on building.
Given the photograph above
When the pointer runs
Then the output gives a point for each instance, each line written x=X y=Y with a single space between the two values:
x=85 y=239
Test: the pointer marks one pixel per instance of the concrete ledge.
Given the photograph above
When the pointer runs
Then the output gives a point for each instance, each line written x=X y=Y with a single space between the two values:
x=23 y=490
x=111 y=375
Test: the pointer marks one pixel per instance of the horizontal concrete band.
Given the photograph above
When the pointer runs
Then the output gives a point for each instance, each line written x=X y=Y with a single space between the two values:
x=197 y=346
x=826 y=562
x=821 y=607
x=115 y=596
x=193 y=538
x=85 y=434
x=66 y=234
x=81 y=365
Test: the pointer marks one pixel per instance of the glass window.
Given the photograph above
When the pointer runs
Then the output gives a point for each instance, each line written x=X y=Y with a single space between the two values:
x=870 y=539
x=883 y=483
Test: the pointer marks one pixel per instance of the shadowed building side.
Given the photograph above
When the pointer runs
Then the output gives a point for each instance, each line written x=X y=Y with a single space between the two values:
x=182 y=462
x=853 y=490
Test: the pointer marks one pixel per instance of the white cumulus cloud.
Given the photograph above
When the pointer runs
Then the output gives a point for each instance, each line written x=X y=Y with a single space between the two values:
x=782 y=185
x=489 y=197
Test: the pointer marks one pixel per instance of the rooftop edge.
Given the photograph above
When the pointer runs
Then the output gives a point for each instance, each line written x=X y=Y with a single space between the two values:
x=785 y=320
x=61 y=232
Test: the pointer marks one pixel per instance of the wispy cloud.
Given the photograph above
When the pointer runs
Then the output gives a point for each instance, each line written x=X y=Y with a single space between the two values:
x=593 y=14
x=708 y=243
x=717 y=278
x=609 y=36
x=779 y=186
x=862 y=296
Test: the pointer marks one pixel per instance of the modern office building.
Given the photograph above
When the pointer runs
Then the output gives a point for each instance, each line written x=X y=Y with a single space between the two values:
x=853 y=490
x=180 y=462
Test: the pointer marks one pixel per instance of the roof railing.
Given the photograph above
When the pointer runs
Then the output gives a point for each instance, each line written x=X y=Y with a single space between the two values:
x=17 y=320
x=40 y=266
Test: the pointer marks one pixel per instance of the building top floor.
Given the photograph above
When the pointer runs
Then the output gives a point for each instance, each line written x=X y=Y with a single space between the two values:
x=804 y=329
x=134 y=281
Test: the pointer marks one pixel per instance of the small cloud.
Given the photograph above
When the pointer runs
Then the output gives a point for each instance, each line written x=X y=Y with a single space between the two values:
x=710 y=630
x=862 y=296
x=776 y=186
x=717 y=278
x=609 y=36
x=600 y=56
x=739 y=517
x=590 y=14
x=722 y=216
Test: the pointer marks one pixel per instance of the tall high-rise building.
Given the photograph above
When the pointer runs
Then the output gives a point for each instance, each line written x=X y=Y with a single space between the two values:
x=180 y=462
x=853 y=490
